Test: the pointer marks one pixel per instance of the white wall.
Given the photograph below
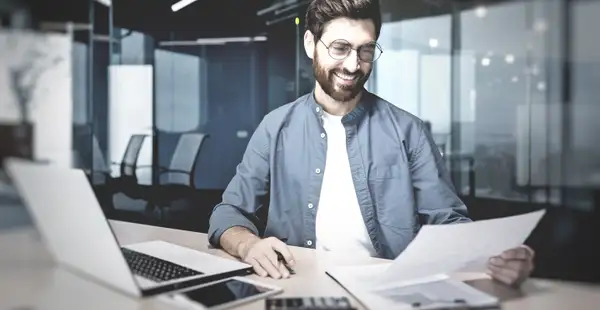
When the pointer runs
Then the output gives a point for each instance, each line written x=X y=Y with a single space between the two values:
x=413 y=75
x=397 y=79
x=130 y=111
x=49 y=58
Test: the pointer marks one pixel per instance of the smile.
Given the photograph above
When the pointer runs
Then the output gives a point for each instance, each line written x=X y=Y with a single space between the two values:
x=347 y=78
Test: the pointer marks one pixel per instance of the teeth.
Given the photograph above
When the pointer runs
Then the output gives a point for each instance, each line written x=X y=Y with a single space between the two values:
x=345 y=77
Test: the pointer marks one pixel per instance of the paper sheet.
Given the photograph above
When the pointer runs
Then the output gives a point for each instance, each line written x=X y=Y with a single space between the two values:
x=450 y=248
x=439 y=250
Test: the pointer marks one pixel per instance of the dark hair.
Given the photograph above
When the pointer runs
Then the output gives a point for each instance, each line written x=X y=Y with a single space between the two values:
x=320 y=12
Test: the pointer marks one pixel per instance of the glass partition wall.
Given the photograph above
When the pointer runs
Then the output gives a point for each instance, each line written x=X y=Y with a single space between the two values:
x=196 y=128
x=508 y=88
x=494 y=81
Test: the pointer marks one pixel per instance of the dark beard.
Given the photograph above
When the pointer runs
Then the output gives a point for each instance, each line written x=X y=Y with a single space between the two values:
x=326 y=80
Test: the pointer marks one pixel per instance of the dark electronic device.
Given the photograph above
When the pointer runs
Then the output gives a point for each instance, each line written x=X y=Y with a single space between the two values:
x=309 y=303
x=223 y=294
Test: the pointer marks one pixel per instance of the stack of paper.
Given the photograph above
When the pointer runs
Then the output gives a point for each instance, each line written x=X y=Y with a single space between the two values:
x=437 y=251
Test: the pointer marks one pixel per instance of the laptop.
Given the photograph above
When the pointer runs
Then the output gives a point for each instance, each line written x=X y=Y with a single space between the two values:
x=68 y=216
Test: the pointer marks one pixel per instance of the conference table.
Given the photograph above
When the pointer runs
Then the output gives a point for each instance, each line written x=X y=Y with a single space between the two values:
x=29 y=279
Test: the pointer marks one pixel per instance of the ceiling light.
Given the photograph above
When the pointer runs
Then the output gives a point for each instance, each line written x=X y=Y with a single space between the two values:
x=515 y=79
x=540 y=25
x=485 y=61
x=541 y=86
x=481 y=11
x=509 y=58
x=216 y=41
x=184 y=43
x=105 y=2
x=433 y=43
x=181 y=4
x=211 y=41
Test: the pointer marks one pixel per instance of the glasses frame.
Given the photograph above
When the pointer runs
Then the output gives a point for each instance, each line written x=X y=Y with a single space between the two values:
x=328 y=47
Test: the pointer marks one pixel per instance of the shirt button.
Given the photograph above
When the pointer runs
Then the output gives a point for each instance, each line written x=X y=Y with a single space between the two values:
x=318 y=109
x=318 y=170
x=322 y=135
x=310 y=205
x=308 y=242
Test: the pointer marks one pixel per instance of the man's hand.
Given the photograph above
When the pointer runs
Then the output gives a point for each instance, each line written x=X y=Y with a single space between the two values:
x=260 y=253
x=513 y=266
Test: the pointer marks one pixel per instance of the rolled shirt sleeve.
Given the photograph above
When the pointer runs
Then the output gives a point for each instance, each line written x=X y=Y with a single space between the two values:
x=436 y=198
x=245 y=194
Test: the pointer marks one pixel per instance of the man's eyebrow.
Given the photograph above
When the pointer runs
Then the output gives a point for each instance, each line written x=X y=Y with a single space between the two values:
x=353 y=45
x=371 y=43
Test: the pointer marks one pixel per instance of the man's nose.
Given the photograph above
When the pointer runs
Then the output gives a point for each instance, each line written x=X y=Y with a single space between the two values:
x=352 y=63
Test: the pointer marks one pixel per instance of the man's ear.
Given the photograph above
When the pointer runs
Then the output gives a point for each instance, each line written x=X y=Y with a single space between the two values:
x=309 y=44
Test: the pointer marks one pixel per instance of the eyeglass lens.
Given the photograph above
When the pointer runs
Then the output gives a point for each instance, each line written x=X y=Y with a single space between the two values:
x=340 y=49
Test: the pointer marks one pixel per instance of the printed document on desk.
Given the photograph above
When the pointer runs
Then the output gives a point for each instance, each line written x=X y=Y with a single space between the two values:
x=439 y=250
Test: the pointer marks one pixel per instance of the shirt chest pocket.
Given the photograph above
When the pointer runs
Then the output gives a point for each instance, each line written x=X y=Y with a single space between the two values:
x=387 y=164
x=385 y=183
x=391 y=193
x=382 y=172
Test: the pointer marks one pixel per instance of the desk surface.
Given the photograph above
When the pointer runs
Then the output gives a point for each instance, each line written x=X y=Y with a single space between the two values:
x=29 y=279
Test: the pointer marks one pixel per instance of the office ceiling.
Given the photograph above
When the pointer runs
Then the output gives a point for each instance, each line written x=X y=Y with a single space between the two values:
x=218 y=18
x=203 y=18
x=214 y=18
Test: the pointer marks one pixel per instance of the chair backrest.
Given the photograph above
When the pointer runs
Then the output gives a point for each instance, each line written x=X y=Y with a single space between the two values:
x=98 y=161
x=100 y=168
x=132 y=152
x=184 y=159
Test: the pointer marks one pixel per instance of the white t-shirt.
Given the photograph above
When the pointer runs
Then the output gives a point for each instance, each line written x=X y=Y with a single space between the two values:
x=339 y=225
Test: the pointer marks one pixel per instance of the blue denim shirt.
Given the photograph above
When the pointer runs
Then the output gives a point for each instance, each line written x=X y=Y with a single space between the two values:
x=398 y=172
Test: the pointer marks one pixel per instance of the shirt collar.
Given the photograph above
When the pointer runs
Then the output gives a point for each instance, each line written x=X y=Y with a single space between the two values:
x=354 y=116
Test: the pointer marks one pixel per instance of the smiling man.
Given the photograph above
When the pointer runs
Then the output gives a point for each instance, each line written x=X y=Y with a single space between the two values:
x=343 y=169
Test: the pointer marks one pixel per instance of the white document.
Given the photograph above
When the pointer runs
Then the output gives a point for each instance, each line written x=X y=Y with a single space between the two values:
x=438 y=250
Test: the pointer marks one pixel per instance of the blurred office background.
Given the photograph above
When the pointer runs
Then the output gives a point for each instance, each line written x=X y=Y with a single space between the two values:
x=163 y=103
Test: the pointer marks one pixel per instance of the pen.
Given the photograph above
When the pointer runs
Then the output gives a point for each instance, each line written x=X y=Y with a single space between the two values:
x=282 y=260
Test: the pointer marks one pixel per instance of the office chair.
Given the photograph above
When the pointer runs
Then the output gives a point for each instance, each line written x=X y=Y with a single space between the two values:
x=99 y=175
x=127 y=182
x=99 y=172
x=177 y=181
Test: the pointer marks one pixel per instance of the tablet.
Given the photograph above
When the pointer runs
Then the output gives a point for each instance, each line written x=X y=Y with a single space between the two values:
x=222 y=294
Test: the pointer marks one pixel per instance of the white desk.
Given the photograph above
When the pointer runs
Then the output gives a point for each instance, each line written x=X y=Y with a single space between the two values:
x=29 y=279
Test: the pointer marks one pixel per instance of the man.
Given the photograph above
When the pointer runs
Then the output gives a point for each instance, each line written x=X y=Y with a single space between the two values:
x=344 y=170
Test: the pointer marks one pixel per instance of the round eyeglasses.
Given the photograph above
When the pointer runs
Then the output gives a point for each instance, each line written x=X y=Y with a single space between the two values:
x=340 y=49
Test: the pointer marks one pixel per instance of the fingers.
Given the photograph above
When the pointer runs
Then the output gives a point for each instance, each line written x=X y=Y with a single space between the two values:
x=506 y=275
x=282 y=248
x=511 y=272
x=263 y=256
x=521 y=266
x=272 y=269
x=278 y=246
x=285 y=273
x=523 y=252
x=257 y=268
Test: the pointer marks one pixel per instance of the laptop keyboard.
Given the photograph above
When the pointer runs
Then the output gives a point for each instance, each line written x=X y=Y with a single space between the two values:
x=154 y=268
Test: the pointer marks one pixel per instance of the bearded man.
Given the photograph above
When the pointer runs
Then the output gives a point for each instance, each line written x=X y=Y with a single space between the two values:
x=344 y=170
